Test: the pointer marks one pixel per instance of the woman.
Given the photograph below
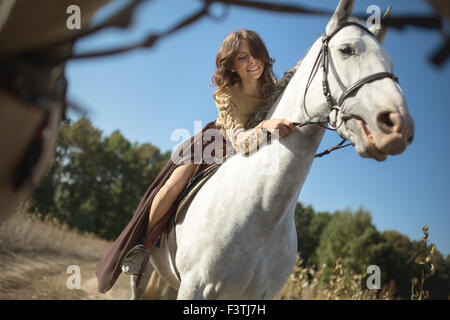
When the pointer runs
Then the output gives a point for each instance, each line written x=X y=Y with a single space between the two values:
x=244 y=78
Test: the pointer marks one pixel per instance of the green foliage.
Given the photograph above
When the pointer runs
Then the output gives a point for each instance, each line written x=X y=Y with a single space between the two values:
x=95 y=184
x=353 y=238
x=309 y=229
x=398 y=261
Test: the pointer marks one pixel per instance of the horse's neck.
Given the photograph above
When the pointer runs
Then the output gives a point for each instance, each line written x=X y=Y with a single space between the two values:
x=299 y=147
x=291 y=103
x=290 y=158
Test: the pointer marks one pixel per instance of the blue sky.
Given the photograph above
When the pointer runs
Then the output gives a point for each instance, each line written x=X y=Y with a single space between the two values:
x=148 y=94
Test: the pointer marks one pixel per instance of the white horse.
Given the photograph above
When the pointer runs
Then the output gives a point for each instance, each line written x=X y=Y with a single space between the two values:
x=24 y=25
x=238 y=239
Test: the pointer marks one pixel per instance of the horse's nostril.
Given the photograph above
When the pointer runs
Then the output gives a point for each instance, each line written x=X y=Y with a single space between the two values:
x=410 y=139
x=390 y=122
x=385 y=119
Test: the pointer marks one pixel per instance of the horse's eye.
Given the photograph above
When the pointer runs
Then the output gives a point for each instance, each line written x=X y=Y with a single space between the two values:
x=347 y=50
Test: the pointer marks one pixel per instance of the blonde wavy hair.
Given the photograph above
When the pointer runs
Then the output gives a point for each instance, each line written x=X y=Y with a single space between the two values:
x=223 y=77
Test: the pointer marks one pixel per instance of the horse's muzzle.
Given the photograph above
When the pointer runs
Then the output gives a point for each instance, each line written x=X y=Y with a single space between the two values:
x=393 y=134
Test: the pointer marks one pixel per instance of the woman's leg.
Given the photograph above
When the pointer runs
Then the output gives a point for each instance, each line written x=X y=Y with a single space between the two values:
x=168 y=193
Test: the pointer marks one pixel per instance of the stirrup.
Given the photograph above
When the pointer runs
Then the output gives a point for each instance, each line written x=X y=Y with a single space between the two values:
x=133 y=260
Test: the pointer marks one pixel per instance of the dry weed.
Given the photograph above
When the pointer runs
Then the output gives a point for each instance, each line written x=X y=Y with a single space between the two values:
x=418 y=291
x=24 y=233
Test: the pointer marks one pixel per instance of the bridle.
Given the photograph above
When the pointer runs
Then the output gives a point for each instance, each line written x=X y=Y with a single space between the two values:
x=324 y=58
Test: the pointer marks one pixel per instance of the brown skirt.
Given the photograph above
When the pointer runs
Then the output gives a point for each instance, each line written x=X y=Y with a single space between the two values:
x=207 y=148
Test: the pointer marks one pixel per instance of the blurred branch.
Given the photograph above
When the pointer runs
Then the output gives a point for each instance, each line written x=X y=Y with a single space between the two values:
x=441 y=8
x=399 y=22
x=123 y=19
x=441 y=54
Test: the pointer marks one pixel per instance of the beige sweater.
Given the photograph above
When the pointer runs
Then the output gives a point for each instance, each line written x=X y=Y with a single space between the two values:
x=235 y=108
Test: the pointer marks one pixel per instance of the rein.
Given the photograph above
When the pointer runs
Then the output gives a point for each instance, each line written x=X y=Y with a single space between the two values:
x=321 y=121
x=352 y=90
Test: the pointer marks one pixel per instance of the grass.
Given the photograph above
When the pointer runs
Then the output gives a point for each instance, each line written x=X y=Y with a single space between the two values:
x=305 y=283
x=35 y=255
x=26 y=234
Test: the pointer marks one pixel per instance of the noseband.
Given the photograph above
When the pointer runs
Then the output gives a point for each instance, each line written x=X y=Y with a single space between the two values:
x=350 y=91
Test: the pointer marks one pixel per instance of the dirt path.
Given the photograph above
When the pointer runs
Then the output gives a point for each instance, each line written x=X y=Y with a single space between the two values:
x=44 y=275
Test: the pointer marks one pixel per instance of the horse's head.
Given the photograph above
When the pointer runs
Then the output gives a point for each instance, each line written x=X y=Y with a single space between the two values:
x=371 y=112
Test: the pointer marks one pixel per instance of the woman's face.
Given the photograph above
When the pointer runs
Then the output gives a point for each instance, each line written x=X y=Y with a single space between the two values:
x=247 y=67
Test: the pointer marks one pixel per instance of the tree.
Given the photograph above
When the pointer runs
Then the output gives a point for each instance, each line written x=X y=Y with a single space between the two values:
x=398 y=262
x=95 y=184
x=353 y=238
x=309 y=227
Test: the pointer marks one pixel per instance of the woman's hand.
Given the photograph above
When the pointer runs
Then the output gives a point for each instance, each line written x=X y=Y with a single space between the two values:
x=283 y=125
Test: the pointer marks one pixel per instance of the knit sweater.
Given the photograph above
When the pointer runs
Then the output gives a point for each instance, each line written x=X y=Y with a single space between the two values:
x=234 y=110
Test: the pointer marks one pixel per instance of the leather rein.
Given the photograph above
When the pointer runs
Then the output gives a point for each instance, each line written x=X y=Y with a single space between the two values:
x=324 y=57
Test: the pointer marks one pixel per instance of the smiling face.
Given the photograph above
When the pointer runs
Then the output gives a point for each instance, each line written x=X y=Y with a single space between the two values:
x=247 y=67
x=244 y=52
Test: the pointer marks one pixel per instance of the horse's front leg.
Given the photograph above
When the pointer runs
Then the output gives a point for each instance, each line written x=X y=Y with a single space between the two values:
x=192 y=288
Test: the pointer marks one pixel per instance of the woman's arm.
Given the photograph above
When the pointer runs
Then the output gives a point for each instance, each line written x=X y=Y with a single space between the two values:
x=243 y=141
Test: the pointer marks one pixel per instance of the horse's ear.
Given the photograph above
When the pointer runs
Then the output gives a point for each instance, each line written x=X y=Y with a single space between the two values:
x=341 y=14
x=380 y=33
